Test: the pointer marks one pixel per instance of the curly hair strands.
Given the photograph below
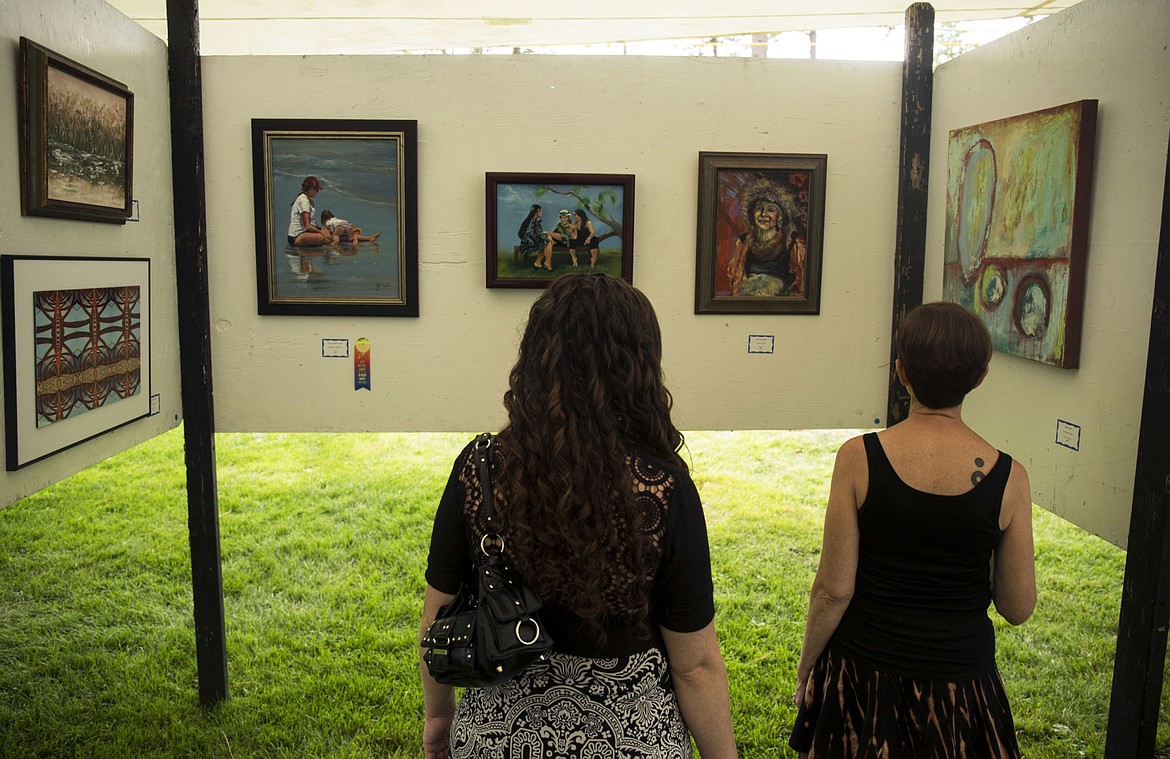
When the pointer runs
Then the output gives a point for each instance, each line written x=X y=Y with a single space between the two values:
x=587 y=384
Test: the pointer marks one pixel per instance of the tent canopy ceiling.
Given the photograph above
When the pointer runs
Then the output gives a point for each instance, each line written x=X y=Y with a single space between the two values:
x=316 y=27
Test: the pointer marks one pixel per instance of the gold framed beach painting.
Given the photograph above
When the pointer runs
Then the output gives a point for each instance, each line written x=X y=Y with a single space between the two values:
x=76 y=139
x=356 y=177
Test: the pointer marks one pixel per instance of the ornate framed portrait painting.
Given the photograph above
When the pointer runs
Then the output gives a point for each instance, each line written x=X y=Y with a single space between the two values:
x=760 y=233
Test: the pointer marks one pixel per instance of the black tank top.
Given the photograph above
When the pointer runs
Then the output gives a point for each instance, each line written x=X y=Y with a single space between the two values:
x=919 y=606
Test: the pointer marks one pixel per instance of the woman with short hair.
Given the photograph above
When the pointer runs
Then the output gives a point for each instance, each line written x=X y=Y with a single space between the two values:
x=927 y=525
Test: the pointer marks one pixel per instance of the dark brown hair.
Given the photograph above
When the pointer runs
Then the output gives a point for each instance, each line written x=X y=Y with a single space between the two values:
x=586 y=387
x=944 y=349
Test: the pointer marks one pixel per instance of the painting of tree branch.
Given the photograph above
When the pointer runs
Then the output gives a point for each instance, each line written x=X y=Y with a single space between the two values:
x=540 y=226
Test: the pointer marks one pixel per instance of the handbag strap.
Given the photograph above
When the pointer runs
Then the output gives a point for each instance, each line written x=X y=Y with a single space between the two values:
x=482 y=449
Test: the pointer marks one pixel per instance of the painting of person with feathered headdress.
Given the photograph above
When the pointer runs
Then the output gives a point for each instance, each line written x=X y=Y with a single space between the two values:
x=769 y=255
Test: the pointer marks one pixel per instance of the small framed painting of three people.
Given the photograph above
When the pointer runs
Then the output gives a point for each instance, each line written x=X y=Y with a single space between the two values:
x=540 y=226
x=760 y=233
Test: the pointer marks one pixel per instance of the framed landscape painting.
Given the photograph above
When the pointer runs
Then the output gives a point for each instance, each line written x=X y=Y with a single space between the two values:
x=1017 y=228
x=760 y=233
x=336 y=206
x=76 y=350
x=540 y=226
x=76 y=139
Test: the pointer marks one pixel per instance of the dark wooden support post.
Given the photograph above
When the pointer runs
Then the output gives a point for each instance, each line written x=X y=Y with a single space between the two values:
x=195 y=346
x=1145 y=595
x=914 y=161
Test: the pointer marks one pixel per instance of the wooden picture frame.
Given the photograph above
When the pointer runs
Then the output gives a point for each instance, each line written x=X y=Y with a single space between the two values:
x=76 y=135
x=603 y=201
x=765 y=265
x=76 y=341
x=367 y=170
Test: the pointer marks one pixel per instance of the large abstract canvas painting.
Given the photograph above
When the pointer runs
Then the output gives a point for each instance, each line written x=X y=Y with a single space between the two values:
x=76 y=350
x=1017 y=228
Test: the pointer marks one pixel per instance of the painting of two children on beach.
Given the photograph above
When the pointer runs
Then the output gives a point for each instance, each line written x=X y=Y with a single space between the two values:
x=335 y=219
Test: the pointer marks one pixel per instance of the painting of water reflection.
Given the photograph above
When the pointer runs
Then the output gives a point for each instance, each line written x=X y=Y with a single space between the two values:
x=336 y=211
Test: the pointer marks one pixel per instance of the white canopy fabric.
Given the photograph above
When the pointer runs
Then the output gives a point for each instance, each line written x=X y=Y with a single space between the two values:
x=322 y=27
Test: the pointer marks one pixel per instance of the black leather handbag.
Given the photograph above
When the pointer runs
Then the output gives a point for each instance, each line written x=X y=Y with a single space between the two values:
x=493 y=634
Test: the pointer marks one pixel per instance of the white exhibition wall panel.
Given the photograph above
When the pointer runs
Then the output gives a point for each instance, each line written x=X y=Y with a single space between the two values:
x=448 y=368
x=95 y=35
x=1117 y=52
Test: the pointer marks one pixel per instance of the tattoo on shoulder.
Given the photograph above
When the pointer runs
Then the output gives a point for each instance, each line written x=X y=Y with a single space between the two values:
x=977 y=476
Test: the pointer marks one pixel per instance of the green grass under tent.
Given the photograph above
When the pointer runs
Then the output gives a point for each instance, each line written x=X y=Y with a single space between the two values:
x=324 y=540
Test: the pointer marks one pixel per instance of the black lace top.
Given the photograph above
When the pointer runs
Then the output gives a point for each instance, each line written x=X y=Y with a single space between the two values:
x=681 y=596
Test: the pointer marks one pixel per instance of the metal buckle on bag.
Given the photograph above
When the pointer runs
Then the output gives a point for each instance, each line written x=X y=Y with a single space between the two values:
x=535 y=636
x=482 y=446
x=493 y=541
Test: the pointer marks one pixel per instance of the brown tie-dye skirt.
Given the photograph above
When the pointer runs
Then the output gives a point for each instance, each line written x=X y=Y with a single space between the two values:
x=852 y=712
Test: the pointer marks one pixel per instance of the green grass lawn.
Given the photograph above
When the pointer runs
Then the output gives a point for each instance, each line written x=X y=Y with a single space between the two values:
x=324 y=541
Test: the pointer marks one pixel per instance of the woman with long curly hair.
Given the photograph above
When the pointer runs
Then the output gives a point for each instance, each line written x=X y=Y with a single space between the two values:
x=602 y=520
x=532 y=236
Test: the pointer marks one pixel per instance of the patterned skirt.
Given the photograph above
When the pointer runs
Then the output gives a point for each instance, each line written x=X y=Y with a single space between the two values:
x=852 y=712
x=571 y=706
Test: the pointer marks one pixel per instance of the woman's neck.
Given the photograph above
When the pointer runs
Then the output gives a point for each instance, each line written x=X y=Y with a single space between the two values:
x=923 y=413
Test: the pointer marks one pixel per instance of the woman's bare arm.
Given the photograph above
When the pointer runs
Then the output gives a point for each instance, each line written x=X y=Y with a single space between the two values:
x=1013 y=566
x=700 y=683
x=832 y=588
x=438 y=699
